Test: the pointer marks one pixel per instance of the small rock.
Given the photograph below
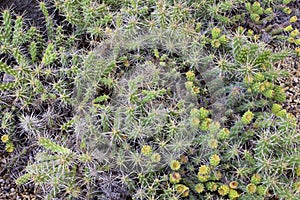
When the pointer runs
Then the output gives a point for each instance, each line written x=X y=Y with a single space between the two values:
x=8 y=78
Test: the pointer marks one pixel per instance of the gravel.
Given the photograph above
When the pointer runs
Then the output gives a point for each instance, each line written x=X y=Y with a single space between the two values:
x=8 y=189
x=291 y=84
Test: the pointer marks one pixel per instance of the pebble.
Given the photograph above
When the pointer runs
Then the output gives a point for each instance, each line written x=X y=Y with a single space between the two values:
x=8 y=189
x=292 y=88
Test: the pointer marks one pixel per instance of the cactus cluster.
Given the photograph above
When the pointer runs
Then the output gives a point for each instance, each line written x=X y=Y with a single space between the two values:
x=151 y=100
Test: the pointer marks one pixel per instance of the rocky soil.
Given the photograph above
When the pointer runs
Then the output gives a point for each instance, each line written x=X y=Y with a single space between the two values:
x=8 y=173
x=291 y=84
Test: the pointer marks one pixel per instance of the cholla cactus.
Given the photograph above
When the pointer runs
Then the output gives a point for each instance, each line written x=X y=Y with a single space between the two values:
x=9 y=147
x=175 y=165
x=223 y=190
x=146 y=150
x=262 y=190
x=204 y=170
x=247 y=117
x=203 y=178
x=199 y=188
x=251 y=188
x=256 y=179
x=223 y=134
x=147 y=101
x=49 y=145
x=175 y=177
x=233 y=194
x=214 y=160
x=5 y=138
x=276 y=108
x=182 y=190
x=211 y=186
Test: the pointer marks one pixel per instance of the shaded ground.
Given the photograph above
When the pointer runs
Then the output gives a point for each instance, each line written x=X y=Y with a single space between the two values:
x=8 y=189
x=27 y=8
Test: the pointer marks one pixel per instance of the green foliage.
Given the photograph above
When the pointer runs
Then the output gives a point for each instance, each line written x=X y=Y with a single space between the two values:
x=151 y=99
x=23 y=179
x=49 y=55
x=59 y=166
x=49 y=145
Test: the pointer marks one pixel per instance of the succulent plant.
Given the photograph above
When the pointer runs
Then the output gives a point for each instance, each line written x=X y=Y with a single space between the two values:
x=151 y=99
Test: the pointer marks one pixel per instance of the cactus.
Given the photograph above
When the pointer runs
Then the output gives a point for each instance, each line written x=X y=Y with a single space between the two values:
x=49 y=145
x=146 y=97
x=223 y=190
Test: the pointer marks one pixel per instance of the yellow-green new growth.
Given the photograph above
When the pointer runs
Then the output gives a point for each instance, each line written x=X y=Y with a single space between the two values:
x=214 y=160
x=49 y=145
x=156 y=157
x=255 y=17
x=5 y=138
x=262 y=190
x=204 y=126
x=297 y=186
x=276 y=108
x=23 y=179
x=215 y=43
x=7 y=27
x=288 y=28
x=190 y=75
x=195 y=122
x=233 y=194
x=194 y=113
x=175 y=177
x=256 y=179
x=203 y=113
x=215 y=33
x=223 y=134
x=213 y=144
x=268 y=93
x=268 y=11
x=293 y=19
x=199 y=188
x=146 y=150
x=247 y=117
x=189 y=85
x=294 y=33
x=251 y=188
x=281 y=113
x=17 y=34
x=212 y=186
x=298 y=171
x=279 y=94
x=9 y=147
x=182 y=189
x=204 y=170
x=49 y=55
x=202 y=178
x=175 y=165
x=223 y=190
x=257 y=8
x=7 y=69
